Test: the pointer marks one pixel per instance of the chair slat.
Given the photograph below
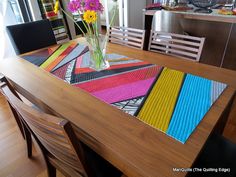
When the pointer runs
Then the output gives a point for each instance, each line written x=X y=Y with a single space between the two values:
x=178 y=35
x=65 y=170
x=175 y=51
x=112 y=31
x=129 y=29
x=129 y=37
x=176 y=46
x=123 y=37
x=124 y=42
x=177 y=41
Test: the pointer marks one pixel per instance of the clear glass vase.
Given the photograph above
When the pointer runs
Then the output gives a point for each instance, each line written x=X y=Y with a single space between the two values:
x=97 y=48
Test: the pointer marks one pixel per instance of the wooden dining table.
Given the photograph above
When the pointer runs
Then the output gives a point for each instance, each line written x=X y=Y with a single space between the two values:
x=130 y=145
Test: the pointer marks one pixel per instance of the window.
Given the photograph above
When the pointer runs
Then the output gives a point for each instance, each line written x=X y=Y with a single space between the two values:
x=16 y=10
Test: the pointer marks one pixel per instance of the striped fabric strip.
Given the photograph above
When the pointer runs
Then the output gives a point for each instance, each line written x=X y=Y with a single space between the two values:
x=193 y=103
x=114 y=56
x=61 y=72
x=51 y=50
x=60 y=58
x=86 y=70
x=120 y=79
x=217 y=89
x=79 y=62
x=124 y=92
x=123 y=61
x=40 y=57
x=83 y=77
x=115 y=62
x=55 y=55
x=78 y=50
x=159 y=106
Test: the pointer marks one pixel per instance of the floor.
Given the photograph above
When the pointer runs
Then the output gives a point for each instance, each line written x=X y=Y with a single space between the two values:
x=13 y=157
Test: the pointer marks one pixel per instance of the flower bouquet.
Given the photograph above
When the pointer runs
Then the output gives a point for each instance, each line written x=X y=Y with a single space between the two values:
x=89 y=10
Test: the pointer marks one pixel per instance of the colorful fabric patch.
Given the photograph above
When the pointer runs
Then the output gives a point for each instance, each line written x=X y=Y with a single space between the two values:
x=78 y=50
x=40 y=57
x=55 y=55
x=129 y=106
x=60 y=57
x=159 y=106
x=193 y=103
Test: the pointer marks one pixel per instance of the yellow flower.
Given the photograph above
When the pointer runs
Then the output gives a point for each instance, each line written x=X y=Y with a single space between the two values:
x=90 y=16
x=56 y=7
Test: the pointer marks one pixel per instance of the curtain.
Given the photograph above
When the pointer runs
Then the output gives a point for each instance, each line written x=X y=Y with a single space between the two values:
x=7 y=17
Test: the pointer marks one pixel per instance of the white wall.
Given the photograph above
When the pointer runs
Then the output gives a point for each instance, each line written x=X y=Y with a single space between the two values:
x=135 y=13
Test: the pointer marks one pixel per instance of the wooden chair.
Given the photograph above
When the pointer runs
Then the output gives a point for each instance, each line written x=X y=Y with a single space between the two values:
x=183 y=46
x=60 y=147
x=217 y=153
x=30 y=36
x=129 y=37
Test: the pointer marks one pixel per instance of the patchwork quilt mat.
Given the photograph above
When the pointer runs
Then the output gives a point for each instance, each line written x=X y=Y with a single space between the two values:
x=168 y=100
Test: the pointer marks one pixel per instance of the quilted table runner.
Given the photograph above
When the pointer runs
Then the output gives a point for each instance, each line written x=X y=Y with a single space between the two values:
x=168 y=100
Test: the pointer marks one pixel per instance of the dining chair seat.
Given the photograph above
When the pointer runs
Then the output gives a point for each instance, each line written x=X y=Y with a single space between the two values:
x=218 y=153
x=129 y=37
x=31 y=36
x=182 y=46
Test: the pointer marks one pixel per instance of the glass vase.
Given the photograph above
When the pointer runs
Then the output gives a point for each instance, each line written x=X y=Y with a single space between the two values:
x=97 y=48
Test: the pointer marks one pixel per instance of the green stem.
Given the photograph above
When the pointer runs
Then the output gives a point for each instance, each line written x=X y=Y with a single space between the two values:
x=112 y=20
x=111 y=23
x=89 y=30
x=83 y=22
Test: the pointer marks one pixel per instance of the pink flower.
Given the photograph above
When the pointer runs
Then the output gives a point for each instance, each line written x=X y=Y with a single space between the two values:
x=94 y=5
x=74 y=5
x=101 y=8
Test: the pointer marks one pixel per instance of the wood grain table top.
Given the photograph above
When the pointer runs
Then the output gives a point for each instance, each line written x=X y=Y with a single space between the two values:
x=130 y=145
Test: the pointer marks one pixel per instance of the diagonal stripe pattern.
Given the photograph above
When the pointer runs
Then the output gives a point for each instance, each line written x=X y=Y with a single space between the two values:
x=55 y=55
x=193 y=103
x=158 y=107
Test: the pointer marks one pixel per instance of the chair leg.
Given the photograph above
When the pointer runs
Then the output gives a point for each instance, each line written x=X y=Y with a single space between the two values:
x=28 y=142
x=18 y=121
x=51 y=169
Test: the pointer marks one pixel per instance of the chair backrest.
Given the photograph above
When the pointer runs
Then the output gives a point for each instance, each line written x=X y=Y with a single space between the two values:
x=184 y=46
x=54 y=133
x=127 y=36
x=31 y=36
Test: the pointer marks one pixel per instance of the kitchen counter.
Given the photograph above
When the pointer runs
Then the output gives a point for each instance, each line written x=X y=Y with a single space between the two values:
x=219 y=30
x=190 y=14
